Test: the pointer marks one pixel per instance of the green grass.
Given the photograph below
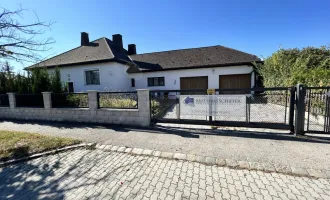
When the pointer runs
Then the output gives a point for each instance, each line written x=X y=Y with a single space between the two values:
x=19 y=144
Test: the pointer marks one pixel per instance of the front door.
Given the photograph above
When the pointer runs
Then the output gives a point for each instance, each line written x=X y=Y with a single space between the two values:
x=70 y=87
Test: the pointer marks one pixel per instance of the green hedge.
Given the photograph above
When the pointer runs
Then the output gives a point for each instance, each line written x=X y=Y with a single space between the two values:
x=288 y=67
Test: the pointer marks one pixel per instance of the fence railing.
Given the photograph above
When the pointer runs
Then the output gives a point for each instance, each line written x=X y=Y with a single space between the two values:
x=316 y=100
x=118 y=100
x=69 y=100
x=4 y=100
x=29 y=100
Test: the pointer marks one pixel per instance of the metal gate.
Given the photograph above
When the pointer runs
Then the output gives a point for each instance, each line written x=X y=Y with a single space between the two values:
x=262 y=107
x=317 y=107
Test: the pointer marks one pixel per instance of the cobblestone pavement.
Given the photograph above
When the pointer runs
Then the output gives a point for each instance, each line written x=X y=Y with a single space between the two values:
x=96 y=174
x=241 y=144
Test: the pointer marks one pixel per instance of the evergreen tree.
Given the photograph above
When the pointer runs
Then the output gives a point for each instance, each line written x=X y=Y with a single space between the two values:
x=40 y=80
x=56 y=85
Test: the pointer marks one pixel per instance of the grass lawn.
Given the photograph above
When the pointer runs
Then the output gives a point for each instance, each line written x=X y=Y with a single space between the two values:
x=19 y=144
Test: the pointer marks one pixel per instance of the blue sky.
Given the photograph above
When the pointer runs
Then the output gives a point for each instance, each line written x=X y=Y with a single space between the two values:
x=257 y=27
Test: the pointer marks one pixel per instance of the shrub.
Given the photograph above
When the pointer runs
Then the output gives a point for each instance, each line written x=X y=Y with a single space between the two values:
x=118 y=100
x=155 y=107
x=288 y=67
x=77 y=100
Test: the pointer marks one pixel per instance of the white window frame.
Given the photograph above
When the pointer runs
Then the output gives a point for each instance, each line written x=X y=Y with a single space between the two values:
x=91 y=69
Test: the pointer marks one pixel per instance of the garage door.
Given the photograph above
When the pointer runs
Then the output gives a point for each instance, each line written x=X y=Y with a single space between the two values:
x=234 y=82
x=194 y=83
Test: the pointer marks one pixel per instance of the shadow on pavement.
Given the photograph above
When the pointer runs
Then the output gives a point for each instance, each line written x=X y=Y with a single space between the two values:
x=183 y=132
x=56 y=179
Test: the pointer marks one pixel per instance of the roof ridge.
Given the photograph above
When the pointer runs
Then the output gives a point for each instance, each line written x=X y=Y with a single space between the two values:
x=62 y=53
x=197 y=48
x=238 y=51
x=177 y=50
x=108 y=45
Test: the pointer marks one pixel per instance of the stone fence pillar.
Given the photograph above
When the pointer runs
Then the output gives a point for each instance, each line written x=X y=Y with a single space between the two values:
x=144 y=106
x=93 y=103
x=12 y=100
x=47 y=96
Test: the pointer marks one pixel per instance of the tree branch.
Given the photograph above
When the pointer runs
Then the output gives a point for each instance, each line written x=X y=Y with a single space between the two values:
x=20 y=41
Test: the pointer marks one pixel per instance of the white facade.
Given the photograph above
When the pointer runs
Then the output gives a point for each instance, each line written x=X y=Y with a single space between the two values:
x=113 y=77
x=172 y=78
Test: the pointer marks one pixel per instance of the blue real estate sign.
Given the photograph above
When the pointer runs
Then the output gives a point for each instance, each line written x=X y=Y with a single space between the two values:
x=213 y=105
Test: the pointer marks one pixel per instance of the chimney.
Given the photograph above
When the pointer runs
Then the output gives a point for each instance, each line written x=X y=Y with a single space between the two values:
x=117 y=39
x=84 y=39
x=131 y=49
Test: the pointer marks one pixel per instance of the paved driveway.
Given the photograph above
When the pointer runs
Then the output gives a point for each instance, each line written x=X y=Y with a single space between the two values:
x=242 y=144
x=94 y=174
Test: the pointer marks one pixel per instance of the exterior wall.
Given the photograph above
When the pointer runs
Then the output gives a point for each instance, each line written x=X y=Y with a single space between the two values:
x=113 y=77
x=172 y=78
x=138 y=117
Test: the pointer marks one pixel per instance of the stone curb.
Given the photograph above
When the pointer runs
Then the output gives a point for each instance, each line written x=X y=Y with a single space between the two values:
x=266 y=167
x=46 y=153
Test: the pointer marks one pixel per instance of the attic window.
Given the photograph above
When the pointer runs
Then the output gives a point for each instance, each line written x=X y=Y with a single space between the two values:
x=92 y=77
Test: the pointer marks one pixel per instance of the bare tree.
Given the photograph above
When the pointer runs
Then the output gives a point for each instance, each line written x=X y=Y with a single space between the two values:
x=6 y=68
x=20 y=42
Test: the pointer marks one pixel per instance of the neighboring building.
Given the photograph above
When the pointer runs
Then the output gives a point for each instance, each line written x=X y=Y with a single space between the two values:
x=105 y=65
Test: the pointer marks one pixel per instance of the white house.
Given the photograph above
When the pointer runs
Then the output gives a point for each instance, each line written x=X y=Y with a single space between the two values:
x=105 y=65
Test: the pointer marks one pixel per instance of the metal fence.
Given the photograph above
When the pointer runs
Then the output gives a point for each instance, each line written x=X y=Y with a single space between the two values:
x=69 y=100
x=315 y=100
x=264 y=107
x=271 y=106
x=118 y=100
x=317 y=109
x=29 y=100
x=4 y=100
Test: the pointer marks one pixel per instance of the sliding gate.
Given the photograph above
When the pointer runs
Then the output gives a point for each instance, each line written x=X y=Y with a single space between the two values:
x=254 y=107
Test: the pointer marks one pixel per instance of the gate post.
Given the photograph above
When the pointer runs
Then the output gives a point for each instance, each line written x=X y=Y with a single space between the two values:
x=300 y=114
x=93 y=102
x=210 y=107
x=291 y=108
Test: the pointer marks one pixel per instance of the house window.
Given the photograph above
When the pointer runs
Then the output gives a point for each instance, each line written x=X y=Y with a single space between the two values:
x=92 y=77
x=132 y=82
x=156 y=81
